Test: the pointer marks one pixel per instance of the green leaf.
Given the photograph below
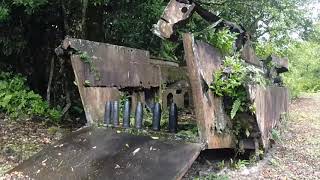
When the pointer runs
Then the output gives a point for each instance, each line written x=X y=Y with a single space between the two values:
x=247 y=132
x=235 y=107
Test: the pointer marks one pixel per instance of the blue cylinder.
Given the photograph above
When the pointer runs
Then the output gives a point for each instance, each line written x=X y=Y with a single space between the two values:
x=173 y=118
x=107 y=113
x=156 y=118
x=139 y=116
x=126 y=114
x=115 y=113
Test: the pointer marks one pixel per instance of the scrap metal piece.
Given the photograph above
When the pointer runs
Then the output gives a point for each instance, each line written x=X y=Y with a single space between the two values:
x=99 y=153
x=139 y=116
x=271 y=103
x=175 y=12
x=107 y=114
x=156 y=118
x=173 y=118
x=126 y=114
x=203 y=60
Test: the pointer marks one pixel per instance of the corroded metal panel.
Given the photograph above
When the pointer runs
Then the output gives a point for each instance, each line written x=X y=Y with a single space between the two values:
x=271 y=103
x=174 y=13
x=249 y=55
x=93 y=98
x=104 y=154
x=202 y=60
x=114 y=66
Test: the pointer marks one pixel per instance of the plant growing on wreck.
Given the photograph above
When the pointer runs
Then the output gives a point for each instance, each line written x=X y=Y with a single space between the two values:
x=229 y=82
x=84 y=56
x=222 y=39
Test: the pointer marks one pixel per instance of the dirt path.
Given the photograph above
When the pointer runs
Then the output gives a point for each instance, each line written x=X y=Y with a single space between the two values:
x=297 y=154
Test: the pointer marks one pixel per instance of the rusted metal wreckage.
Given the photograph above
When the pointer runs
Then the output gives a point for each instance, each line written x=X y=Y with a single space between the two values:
x=114 y=69
x=117 y=69
x=102 y=71
x=203 y=60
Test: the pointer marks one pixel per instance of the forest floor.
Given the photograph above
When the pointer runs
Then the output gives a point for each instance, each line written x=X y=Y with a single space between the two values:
x=294 y=156
x=22 y=138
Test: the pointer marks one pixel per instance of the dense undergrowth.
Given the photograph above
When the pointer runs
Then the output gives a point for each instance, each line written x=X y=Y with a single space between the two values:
x=304 y=66
x=17 y=100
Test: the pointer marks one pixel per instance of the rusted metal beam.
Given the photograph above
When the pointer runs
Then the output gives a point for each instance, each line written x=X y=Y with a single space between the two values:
x=202 y=60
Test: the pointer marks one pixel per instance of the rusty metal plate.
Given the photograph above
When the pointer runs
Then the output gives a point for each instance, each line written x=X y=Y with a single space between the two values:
x=202 y=60
x=104 y=154
x=249 y=55
x=174 y=13
x=114 y=66
x=209 y=60
x=271 y=103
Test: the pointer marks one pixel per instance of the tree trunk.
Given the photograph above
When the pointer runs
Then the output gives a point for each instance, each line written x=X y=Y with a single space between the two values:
x=83 y=19
x=50 y=79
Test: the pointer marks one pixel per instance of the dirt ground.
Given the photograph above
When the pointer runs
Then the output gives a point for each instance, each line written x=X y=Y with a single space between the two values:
x=296 y=155
x=21 y=139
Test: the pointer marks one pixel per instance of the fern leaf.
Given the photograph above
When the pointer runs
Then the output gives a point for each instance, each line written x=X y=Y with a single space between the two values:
x=235 y=107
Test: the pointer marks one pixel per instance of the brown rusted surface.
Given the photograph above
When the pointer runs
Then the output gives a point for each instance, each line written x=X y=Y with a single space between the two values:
x=249 y=55
x=105 y=154
x=271 y=103
x=174 y=13
x=93 y=98
x=115 y=66
x=202 y=60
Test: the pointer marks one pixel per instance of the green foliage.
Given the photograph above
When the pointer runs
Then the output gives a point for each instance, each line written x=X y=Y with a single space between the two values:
x=192 y=133
x=29 y=6
x=4 y=13
x=213 y=177
x=275 y=135
x=240 y=164
x=274 y=18
x=265 y=49
x=16 y=99
x=235 y=107
x=167 y=50
x=124 y=96
x=231 y=76
x=222 y=39
x=126 y=27
x=99 y=2
x=304 y=72
x=231 y=81
x=86 y=58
